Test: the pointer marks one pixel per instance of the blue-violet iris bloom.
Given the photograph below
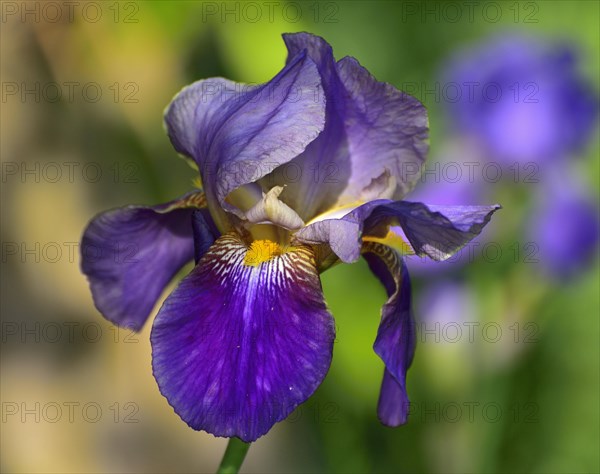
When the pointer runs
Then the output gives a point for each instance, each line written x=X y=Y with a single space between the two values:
x=523 y=98
x=298 y=174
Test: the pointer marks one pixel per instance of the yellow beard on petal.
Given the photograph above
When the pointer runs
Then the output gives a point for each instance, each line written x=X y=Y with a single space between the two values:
x=262 y=251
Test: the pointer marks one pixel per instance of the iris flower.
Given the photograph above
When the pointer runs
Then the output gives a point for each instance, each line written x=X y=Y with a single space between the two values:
x=298 y=174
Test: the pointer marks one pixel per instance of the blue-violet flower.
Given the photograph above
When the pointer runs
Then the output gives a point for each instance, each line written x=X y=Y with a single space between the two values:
x=298 y=174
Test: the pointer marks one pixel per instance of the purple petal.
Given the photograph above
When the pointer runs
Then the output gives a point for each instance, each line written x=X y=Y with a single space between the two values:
x=396 y=337
x=371 y=128
x=387 y=128
x=238 y=345
x=343 y=234
x=130 y=254
x=435 y=231
x=393 y=406
x=205 y=232
x=237 y=133
x=441 y=231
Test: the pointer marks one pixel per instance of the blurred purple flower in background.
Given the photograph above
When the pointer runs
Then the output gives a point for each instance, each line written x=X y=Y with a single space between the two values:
x=523 y=102
x=445 y=304
x=565 y=226
x=522 y=98
x=454 y=177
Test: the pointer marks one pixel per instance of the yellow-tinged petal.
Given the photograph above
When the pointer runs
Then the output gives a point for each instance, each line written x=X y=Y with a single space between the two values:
x=392 y=240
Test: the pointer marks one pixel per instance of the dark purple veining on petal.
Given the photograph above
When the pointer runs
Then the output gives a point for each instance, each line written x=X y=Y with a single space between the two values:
x=237 y=347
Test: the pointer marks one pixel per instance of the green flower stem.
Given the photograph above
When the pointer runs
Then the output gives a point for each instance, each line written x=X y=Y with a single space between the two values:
x=233 y=457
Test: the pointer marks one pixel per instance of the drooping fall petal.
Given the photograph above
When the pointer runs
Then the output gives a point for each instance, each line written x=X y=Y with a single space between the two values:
x=244 y=339
x=130 y=254
x=396 y=337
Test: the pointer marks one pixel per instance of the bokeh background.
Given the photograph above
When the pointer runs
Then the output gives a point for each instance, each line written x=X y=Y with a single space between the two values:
x=506 y=374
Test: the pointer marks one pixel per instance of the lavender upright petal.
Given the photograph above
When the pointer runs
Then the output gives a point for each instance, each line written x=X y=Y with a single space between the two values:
x=388 y=130
x=237 y=133
x=373 y=131
x=241 y=342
